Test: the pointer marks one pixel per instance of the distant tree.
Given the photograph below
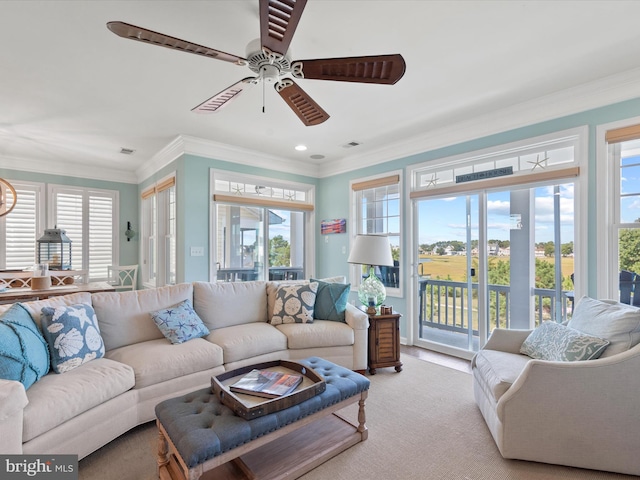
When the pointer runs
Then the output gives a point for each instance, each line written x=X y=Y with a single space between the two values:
x=549 y=249
x=629 y=248
x=279 y=252
x=567 y=249
x=440 y=251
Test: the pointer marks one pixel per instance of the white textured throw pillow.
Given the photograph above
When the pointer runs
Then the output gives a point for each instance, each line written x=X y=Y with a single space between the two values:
x=294 y=303
x=617 y=322
x=552 y=341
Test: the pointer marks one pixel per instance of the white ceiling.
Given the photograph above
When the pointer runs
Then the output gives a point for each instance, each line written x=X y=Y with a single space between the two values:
x=72 y=93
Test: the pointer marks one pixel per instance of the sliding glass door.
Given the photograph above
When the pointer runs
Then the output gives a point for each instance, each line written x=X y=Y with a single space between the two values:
x=493 y=259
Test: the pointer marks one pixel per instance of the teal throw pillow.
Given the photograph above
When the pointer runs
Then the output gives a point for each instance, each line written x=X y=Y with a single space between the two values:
x=331 y=300
x=23 y=352
x=73 y=335
x=553 y=341
x=294 y=303
x=180 y=323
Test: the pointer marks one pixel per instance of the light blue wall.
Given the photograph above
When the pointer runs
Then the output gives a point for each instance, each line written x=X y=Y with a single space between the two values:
x=333 y=192
x=193 y=198
x=128 y=194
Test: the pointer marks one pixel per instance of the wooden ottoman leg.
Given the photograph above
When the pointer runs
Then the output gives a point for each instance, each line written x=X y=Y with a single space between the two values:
x=362 y=427
x=163 y=449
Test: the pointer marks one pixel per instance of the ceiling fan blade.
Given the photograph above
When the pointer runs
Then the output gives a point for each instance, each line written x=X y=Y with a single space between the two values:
x=301 y=103
x=223 y=98
x=278 y=22
x=126 y=30
x=381 y=69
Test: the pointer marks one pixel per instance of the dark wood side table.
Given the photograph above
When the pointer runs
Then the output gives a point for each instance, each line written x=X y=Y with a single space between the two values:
x=384 y=341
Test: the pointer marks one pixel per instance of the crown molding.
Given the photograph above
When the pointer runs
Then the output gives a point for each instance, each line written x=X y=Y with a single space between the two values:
x=92 y=172
x=588 y=96
x=164 y=157
x=188 y=145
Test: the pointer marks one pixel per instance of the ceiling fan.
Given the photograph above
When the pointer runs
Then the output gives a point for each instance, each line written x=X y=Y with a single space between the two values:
x=267 y=57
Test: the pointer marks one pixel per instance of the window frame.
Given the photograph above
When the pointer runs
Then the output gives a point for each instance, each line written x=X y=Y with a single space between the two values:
x=237 y=197
x=159 y=221
x=374 y=182
x=86 y=193
x=608 y=196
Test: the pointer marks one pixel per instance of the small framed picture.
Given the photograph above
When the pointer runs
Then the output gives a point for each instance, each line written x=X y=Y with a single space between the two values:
x=337 y=225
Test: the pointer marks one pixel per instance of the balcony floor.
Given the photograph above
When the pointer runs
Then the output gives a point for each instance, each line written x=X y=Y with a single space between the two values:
x=446 y=337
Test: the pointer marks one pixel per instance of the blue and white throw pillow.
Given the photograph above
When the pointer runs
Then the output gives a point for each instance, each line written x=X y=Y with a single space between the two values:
x=24 y=356
x=553 y=341
x=180 y=323
x=73 y=335
x=294 y=303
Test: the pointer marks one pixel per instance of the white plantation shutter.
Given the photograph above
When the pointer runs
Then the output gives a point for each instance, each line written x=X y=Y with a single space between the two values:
x=21 y=227
x=100 y=235
x=69 y=218
x=88 y=216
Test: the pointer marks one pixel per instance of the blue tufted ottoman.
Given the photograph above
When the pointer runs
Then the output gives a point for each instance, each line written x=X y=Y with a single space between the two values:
x=198 y=434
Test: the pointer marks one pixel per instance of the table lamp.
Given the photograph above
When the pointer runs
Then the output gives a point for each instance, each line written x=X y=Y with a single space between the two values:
x=372 y=251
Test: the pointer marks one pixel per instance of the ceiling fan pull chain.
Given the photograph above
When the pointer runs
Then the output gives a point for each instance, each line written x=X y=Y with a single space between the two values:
x=263 y=97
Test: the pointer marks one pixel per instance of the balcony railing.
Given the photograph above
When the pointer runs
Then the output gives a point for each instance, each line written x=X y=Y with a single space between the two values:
x=444 y=305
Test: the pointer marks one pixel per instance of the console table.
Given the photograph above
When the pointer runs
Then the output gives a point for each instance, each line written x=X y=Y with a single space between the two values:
x=12 y=295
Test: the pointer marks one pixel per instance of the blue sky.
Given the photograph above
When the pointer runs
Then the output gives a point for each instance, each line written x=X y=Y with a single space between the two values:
x=630 y=185
x=444 y=219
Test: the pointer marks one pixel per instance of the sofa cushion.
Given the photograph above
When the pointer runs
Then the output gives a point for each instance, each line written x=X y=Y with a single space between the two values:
x=552 y=341
x=240 y=342
x=331 y=300
x=294 y=303
x=499 y=369
x=321 y=333
x=156 y=361
x=23 y=351
x=58 y=398
x=223 y=304
x=617 y=322
x=35 y=307
x=179 y=323
x=73 y=335
x=124 y=316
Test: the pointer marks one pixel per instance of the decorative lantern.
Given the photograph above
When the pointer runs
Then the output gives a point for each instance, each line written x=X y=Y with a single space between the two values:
x=54 y=248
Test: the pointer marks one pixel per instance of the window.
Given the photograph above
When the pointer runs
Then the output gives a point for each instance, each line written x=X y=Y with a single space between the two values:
x=262 y=229
x=22 y=227
x=620 y=214
x=89 y=217
x=158 y=234
x=376 y=206
x=496 y=238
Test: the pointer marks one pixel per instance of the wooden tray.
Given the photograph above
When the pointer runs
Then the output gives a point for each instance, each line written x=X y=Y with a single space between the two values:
x=250 y=406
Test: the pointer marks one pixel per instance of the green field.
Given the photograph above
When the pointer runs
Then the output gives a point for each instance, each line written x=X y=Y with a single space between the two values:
x=455 y=267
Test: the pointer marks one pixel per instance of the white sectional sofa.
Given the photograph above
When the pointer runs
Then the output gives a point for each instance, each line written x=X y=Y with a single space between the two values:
x=79 y=411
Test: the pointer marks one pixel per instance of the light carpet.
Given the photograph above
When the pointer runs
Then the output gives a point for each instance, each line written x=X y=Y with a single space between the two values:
x=423 y=424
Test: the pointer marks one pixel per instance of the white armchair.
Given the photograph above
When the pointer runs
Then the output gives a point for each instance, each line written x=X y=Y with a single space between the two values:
x=581 y=414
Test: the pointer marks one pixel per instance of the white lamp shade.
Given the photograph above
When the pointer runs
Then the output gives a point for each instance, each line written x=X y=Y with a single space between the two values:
x=371 y=250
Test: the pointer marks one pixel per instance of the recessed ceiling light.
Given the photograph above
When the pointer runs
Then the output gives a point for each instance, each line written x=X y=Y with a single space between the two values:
x=317 y=157
x=301 y=148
